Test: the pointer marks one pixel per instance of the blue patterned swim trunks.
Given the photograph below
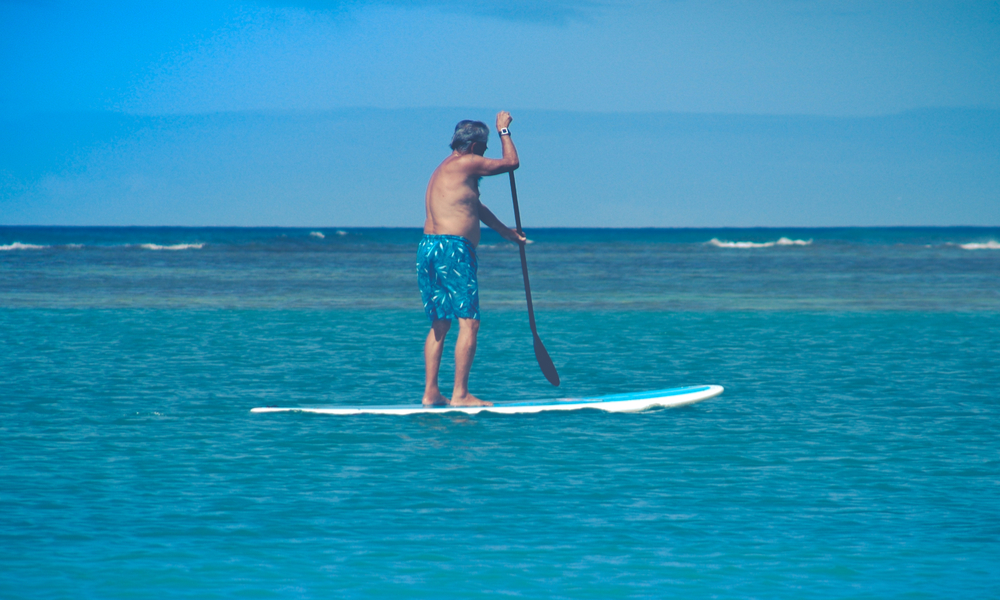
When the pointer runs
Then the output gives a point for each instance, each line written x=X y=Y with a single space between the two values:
x=447 y=274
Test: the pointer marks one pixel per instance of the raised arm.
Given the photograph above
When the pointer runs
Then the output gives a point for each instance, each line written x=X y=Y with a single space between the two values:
x=483 y=166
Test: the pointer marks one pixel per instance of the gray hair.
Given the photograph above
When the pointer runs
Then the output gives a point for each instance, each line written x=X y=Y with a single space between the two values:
x=468 y=132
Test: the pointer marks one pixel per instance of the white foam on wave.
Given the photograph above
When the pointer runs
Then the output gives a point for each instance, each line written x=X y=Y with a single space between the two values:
x=172 y=247
x=787 y=242
x=990 y=245
x=780 y=242
x=341 y=232
x=317 y=234
x=20 y=246
x=721 y=244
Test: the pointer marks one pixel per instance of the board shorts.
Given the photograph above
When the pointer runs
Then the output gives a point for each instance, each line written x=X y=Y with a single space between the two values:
x=447 y=269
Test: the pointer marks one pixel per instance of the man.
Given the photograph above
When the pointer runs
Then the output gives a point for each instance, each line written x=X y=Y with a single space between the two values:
x=446 y=256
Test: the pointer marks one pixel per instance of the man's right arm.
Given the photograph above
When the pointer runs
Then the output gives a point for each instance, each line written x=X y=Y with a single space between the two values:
x=490 y=166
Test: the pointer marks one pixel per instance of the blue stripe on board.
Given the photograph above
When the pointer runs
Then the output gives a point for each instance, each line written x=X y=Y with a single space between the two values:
x=613 y=397
x=592 y=400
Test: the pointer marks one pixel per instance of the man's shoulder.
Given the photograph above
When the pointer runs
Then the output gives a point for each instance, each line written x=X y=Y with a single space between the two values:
x=461 y=161
x=456 y=168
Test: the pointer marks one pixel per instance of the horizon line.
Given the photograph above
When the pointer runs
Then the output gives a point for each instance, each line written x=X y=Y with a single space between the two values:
x=409 y=227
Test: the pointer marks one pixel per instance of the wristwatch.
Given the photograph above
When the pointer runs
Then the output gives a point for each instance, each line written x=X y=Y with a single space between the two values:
x=504 y=131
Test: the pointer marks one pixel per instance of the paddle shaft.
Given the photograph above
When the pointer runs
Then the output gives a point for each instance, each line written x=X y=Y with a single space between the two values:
x=541 y=354
x=524 y=259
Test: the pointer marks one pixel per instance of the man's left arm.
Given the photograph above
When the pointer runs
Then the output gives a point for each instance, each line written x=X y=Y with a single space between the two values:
x=491 y=221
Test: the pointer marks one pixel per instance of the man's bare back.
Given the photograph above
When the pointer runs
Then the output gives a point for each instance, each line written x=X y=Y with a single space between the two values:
x=453 y=209
x=452 y=198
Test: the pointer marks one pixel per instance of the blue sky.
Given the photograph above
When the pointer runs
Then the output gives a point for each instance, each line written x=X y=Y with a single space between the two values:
x=124 y=90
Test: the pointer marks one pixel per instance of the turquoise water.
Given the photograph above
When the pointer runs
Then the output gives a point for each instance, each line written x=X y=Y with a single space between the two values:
x=854 y=454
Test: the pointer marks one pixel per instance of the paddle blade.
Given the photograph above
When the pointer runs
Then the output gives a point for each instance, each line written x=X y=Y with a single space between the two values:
x=542 y=356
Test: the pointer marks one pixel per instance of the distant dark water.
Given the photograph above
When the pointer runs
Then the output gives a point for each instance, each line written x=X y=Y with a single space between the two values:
x=855 y=453
x=936 y=269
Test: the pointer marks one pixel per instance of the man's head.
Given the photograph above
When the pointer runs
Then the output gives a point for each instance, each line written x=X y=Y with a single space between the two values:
x=468 y=133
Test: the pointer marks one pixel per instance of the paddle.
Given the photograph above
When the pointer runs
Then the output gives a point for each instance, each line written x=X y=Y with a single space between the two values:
x=541 y=355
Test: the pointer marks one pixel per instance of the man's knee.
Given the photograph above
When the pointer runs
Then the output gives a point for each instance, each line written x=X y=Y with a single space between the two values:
x=470 y=325
x=440 y=327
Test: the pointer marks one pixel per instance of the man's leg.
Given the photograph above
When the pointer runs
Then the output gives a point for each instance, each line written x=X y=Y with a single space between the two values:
x=433 y=348
x=465 y=352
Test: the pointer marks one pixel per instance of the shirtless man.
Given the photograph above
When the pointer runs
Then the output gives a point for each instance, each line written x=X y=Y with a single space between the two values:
x=446 y=256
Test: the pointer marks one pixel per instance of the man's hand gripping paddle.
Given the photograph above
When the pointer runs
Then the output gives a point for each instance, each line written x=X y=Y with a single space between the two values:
x=541 y=355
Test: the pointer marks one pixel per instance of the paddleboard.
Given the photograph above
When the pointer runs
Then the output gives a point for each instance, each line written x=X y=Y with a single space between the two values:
x=631 y=402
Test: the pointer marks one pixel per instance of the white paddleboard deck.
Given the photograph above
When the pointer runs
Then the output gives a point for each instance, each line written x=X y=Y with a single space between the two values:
x=632 y=402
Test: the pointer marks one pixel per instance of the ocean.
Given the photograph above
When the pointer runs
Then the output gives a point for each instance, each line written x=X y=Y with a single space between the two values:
x=854 y=454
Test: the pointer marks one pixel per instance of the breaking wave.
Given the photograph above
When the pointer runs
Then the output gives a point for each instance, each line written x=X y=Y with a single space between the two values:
x=20 y=246
x=172 y=247
x=780 y=242
x=317 y=234
x=990 y=245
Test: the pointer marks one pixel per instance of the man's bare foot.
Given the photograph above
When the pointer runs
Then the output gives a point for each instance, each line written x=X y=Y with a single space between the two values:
x=435 y=400
x=468 y=400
